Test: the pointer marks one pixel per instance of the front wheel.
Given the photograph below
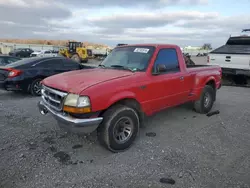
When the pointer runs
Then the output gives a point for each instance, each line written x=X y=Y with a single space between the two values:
x=76 y=58
x=206 y=101
x=85 y=61
x=119 y=128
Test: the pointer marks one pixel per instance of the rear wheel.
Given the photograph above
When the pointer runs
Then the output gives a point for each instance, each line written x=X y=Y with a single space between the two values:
x=36 y=87
x=119 y=128
x=206 y=101
x=76 y=58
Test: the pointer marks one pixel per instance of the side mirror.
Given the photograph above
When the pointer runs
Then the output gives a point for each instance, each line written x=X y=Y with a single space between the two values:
x=159 y=69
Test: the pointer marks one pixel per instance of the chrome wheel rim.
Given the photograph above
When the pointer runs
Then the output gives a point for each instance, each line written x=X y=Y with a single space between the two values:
x=207 y=100
x=123 y=130
x=37 y=87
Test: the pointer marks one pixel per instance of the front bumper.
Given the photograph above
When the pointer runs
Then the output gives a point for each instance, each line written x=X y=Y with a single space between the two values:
x=70 y=123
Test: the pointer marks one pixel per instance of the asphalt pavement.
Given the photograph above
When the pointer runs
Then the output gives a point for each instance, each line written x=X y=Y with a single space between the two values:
x=175 y=146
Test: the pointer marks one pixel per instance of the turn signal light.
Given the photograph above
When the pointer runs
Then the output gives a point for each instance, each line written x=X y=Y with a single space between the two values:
x=76 y=110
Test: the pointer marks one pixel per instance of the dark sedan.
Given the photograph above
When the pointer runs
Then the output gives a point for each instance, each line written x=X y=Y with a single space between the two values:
x=5 y=59
x=25 y=75
x=21 y=52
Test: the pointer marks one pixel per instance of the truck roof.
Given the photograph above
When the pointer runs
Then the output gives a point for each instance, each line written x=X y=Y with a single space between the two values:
x=148 y=44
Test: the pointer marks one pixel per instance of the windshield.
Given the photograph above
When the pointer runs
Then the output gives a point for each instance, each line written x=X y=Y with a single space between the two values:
x=135 y=58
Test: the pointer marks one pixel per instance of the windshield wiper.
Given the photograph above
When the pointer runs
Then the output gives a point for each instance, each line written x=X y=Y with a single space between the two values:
x=122 y=67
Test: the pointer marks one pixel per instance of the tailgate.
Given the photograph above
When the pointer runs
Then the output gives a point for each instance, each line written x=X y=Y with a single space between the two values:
x=233 y=61
x=3 y=74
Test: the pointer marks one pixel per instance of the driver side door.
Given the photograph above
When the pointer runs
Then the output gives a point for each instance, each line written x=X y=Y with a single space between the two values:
x=166 y=87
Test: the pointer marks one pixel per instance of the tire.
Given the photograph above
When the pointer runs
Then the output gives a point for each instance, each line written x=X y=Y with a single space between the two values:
x=206 y=101
x=85 y=61
x=76 y=58
x=35 y=87
x=110 y=130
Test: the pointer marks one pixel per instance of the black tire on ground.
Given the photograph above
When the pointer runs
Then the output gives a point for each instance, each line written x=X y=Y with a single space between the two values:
x=119 y=128
x=76 y=58
x=35 y=87
x=206 y=101
x=85 y=61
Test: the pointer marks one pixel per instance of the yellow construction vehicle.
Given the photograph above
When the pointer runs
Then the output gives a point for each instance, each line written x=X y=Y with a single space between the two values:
x=77 y=52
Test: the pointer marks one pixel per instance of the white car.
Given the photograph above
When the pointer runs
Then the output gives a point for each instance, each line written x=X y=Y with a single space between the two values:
x=44 y=53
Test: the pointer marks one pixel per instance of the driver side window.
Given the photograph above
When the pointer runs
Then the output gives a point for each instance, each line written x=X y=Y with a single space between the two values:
x=168 y=58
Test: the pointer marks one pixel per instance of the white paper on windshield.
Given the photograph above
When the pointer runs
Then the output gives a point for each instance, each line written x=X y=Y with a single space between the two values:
x=141 y=50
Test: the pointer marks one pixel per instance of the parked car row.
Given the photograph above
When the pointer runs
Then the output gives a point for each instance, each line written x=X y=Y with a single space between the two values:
x=27 y=52
x=25 y=75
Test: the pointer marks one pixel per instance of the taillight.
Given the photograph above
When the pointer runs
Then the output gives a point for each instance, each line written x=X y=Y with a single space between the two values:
x=13 y=73
x=208 y=59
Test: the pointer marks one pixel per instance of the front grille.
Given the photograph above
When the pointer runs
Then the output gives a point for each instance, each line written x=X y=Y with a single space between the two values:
x=53 y=98
x=33 y=55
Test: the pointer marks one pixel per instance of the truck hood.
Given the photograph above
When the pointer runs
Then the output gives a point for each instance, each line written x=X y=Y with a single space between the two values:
x=77 y=81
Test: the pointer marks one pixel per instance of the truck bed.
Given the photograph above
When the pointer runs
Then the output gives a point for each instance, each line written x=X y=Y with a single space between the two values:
x=195 y=66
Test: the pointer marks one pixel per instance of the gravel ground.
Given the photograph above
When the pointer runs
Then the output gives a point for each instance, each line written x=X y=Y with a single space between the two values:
x=192 y=149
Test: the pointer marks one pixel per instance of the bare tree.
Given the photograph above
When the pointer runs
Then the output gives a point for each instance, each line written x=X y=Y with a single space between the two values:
x=207 y=46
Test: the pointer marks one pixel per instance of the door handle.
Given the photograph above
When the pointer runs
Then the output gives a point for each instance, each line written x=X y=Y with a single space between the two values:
x=181 y=78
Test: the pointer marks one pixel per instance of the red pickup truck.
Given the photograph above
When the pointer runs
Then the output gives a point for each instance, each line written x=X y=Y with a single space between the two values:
x=134 y=81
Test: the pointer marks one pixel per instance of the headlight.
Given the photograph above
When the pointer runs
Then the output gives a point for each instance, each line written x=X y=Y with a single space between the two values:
x=77 y=104
x=77 y=101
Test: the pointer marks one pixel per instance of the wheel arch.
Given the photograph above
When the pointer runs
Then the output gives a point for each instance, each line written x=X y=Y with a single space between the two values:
x=34 y=78
x=211 y=82
x=130 y=102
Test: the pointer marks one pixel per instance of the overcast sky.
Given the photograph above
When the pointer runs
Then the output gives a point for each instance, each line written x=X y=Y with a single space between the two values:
x=182 y=22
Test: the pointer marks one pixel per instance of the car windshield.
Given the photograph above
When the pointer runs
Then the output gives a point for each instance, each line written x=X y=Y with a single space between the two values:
x=134 y=58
